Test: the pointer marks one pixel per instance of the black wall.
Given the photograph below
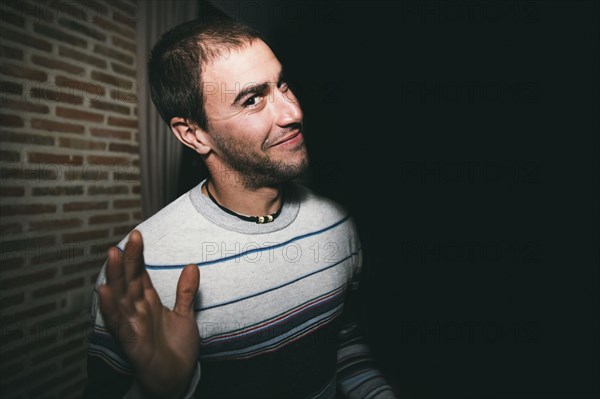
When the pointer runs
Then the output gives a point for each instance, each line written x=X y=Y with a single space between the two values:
x=464 y=138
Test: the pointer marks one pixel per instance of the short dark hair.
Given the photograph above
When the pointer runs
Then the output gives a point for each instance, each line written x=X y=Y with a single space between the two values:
x=177 y=61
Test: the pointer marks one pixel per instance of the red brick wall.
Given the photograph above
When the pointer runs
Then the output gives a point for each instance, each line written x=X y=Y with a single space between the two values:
x=69 y=178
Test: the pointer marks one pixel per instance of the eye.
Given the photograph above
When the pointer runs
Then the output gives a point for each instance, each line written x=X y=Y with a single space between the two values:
x=253 y=101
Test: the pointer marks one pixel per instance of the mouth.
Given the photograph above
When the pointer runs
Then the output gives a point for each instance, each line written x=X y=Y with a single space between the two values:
x=293 y=137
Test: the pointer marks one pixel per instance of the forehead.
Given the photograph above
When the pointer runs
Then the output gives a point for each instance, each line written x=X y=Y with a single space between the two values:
x=250 y=64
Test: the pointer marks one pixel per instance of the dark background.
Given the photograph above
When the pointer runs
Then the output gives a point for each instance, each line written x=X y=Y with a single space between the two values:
x=464 y=138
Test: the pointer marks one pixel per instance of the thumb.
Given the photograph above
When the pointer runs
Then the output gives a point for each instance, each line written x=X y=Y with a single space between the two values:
x=187 y=287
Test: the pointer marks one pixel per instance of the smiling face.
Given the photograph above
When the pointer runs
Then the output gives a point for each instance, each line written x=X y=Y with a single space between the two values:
x=254 y=120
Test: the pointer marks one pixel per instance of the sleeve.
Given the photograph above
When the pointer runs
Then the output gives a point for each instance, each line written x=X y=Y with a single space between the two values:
x=357 y=376
x=110 y=375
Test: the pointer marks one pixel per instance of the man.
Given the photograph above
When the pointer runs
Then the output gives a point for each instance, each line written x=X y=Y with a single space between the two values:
x=277 y=262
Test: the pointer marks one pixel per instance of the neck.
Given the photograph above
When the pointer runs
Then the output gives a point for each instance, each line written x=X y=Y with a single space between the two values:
x=246 y=201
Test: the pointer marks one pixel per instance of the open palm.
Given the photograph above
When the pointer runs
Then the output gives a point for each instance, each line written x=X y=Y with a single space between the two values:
x=160 y=343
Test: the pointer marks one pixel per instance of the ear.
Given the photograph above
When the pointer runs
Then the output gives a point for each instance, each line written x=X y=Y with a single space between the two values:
x=190 y=135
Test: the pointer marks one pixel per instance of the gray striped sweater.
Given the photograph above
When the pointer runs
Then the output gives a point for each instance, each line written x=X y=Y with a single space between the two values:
x=272 y=308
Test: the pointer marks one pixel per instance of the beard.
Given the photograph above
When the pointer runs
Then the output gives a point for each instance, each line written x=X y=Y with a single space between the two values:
x=258 y=169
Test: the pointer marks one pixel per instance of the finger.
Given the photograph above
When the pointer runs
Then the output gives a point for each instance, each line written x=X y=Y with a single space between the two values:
x=149 y=292
x=134 y=256
x=115 y=313
x=115 y=277
x=133 y=260
x=187 y=288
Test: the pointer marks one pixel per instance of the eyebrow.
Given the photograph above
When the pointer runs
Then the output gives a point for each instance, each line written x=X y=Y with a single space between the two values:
x=255 y=88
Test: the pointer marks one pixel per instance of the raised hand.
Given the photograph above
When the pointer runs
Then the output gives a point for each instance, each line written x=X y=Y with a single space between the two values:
x=161 y=344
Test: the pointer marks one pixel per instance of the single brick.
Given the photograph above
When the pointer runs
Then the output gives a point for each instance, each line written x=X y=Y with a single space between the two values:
x=52 y=63
x=119 y=147
x=11 y=120
x=68 y=142
x=10 y=156
x=126 y=177
x=73 y=113
x=54 y=224
x=39 y=157
x=113 y=218
x=27 y=138
x=89 y=174
x=117 y=134
x=57 y=190
x=54 y=126
x=12 y=191
x=29 y=209
x=84 y=206
x=114 y=121
x=108 y=160
x=127 y=203
x=109 y=106
x=99 y=190
x=11 y=52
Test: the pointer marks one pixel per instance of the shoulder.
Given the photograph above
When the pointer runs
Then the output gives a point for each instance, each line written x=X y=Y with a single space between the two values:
x=319 y=205
x=320 y=211
x=324 y=215
x=175 y=216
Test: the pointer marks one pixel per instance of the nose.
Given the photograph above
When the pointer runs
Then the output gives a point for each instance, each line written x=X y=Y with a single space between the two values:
x=287 y=108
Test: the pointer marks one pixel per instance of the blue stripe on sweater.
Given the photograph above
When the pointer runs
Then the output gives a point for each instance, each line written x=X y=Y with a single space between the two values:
x=250 y=251
x=277 y=286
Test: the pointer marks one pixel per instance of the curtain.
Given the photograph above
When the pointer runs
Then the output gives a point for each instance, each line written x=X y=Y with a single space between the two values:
x=160 y=151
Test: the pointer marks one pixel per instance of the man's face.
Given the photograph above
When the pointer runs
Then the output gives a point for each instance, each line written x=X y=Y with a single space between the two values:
x=254 y=119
